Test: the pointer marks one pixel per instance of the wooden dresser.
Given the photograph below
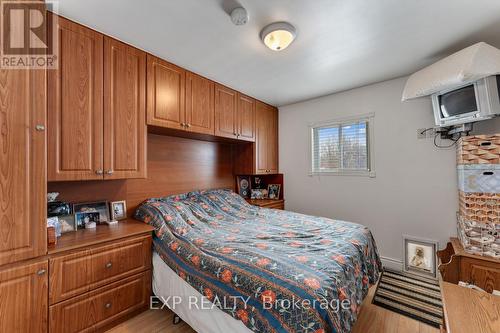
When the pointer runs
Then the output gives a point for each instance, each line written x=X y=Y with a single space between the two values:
x=458 y=265
x=467 y=310
x=267 y=203
x=99 y=277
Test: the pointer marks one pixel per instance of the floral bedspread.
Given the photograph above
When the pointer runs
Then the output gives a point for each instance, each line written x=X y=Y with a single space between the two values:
x=276 y=271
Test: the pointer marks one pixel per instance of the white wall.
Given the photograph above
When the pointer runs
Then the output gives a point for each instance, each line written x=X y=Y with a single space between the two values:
x=415 y=188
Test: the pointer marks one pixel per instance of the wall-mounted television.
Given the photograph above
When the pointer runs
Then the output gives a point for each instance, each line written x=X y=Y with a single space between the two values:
x=472 y=102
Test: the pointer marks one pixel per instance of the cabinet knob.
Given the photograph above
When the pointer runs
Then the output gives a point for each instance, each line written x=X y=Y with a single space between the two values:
x=98 y=172
x=40 y=128
x=183 y=124
x=41 y=272
x=109 y=265
x=107 y=305
x=109 y=172
x=188 y=125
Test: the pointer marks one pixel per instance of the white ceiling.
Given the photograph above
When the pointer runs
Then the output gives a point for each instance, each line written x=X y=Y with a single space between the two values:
x=341 y=44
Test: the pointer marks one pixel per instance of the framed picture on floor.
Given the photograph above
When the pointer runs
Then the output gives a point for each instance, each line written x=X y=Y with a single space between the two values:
x=420 y=256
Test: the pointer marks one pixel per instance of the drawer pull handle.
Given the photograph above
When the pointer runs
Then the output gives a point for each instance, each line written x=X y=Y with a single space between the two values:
x=109 y=265
x=41 y=272
x=107 y=305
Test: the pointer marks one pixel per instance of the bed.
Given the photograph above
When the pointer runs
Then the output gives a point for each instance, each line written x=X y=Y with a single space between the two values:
x=257 y=269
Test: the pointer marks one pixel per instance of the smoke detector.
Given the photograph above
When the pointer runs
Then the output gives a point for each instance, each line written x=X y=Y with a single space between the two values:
x=239 y=16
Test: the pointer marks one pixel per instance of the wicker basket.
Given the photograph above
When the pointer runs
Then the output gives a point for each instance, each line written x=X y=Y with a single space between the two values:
x=480 y=207
x=479 y=149
x=479 y=238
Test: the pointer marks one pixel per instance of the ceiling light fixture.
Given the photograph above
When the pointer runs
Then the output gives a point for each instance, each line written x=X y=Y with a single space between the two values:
x=278 y=36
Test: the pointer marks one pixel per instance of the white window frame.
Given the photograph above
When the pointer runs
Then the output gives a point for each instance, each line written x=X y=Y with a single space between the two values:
x=370 y=138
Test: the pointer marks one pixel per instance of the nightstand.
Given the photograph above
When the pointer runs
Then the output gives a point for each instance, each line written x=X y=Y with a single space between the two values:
x=99 y=277
x=267 y=203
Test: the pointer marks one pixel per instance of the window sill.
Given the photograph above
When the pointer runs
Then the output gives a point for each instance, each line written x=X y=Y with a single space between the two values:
x=370 y=174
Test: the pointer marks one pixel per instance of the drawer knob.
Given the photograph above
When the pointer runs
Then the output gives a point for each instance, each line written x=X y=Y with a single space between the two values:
x=109 y=265
x=107 y=305
x=41 y=272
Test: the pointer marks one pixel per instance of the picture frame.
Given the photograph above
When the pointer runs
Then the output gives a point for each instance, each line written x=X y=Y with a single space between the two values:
x=259 y=194
x=89 y=207
x=420 y=256
x=118 y=210
x=274 y=191
x=82 y=218
x=67 y=223
x=244 y=186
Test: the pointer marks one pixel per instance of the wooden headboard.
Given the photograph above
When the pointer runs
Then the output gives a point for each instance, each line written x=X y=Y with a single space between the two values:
x=175 y=165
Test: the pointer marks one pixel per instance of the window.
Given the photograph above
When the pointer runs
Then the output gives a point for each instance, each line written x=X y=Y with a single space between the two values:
x=342 y=147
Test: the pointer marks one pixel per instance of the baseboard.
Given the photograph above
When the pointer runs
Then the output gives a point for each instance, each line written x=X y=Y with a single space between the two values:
x=391 y=263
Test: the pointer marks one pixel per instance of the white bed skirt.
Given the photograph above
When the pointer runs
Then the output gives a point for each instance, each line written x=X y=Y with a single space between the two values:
x=167 y=284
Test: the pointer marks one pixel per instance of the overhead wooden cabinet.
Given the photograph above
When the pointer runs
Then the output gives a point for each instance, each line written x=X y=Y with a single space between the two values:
x=96 y=108
x=166 y=94
x=266 y=142
x=200 y=107
x=246 y=118
x=124 y=111
x=23 y=180
x=226 y=110
x=75 y=105
x=23 y=298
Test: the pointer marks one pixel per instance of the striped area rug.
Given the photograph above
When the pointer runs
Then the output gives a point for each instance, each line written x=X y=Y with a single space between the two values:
x=412 y=296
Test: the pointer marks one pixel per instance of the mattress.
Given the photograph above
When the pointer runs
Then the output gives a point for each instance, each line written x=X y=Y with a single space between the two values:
x=188 y=303
x=274 y=271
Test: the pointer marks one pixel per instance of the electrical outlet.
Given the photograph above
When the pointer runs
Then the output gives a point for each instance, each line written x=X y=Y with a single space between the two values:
x=425 y=133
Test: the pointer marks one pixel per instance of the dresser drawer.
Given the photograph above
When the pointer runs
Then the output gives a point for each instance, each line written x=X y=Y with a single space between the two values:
x=483 y=274
x=102 y=307
x=82 y=271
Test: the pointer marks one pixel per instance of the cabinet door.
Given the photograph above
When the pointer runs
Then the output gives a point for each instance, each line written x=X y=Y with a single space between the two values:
x=23 y=298
x=272 y=141
x=75 y=107
x=261 y=139
x=226 y=105
x=483 y=274
x=166 y=94
x=124 y=111
x=246 y=118
x=23 y=181
x=200 y=106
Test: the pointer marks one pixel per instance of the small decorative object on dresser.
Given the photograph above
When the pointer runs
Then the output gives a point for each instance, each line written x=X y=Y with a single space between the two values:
x=118 y=210
x=244 y=186
x=100 y=207
x=274 y=191
x=86 y=220
x=420 y=256
x=259 y=194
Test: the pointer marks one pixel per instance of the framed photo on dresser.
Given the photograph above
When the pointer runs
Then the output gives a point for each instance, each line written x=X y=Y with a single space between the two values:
x=244 y=186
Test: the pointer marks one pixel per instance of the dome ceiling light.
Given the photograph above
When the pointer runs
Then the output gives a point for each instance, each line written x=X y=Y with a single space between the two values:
x=278 y=36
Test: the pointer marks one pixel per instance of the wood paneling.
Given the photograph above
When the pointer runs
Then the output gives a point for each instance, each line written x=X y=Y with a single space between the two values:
x=166 y=94
x=200 y=107
x=246 y=118
x=23 y=298
x=96 y=309
x=175 y=165
x=226 y=108
x=76 y=273
x=22 y=164
x=124 y=111
x=75 y=105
